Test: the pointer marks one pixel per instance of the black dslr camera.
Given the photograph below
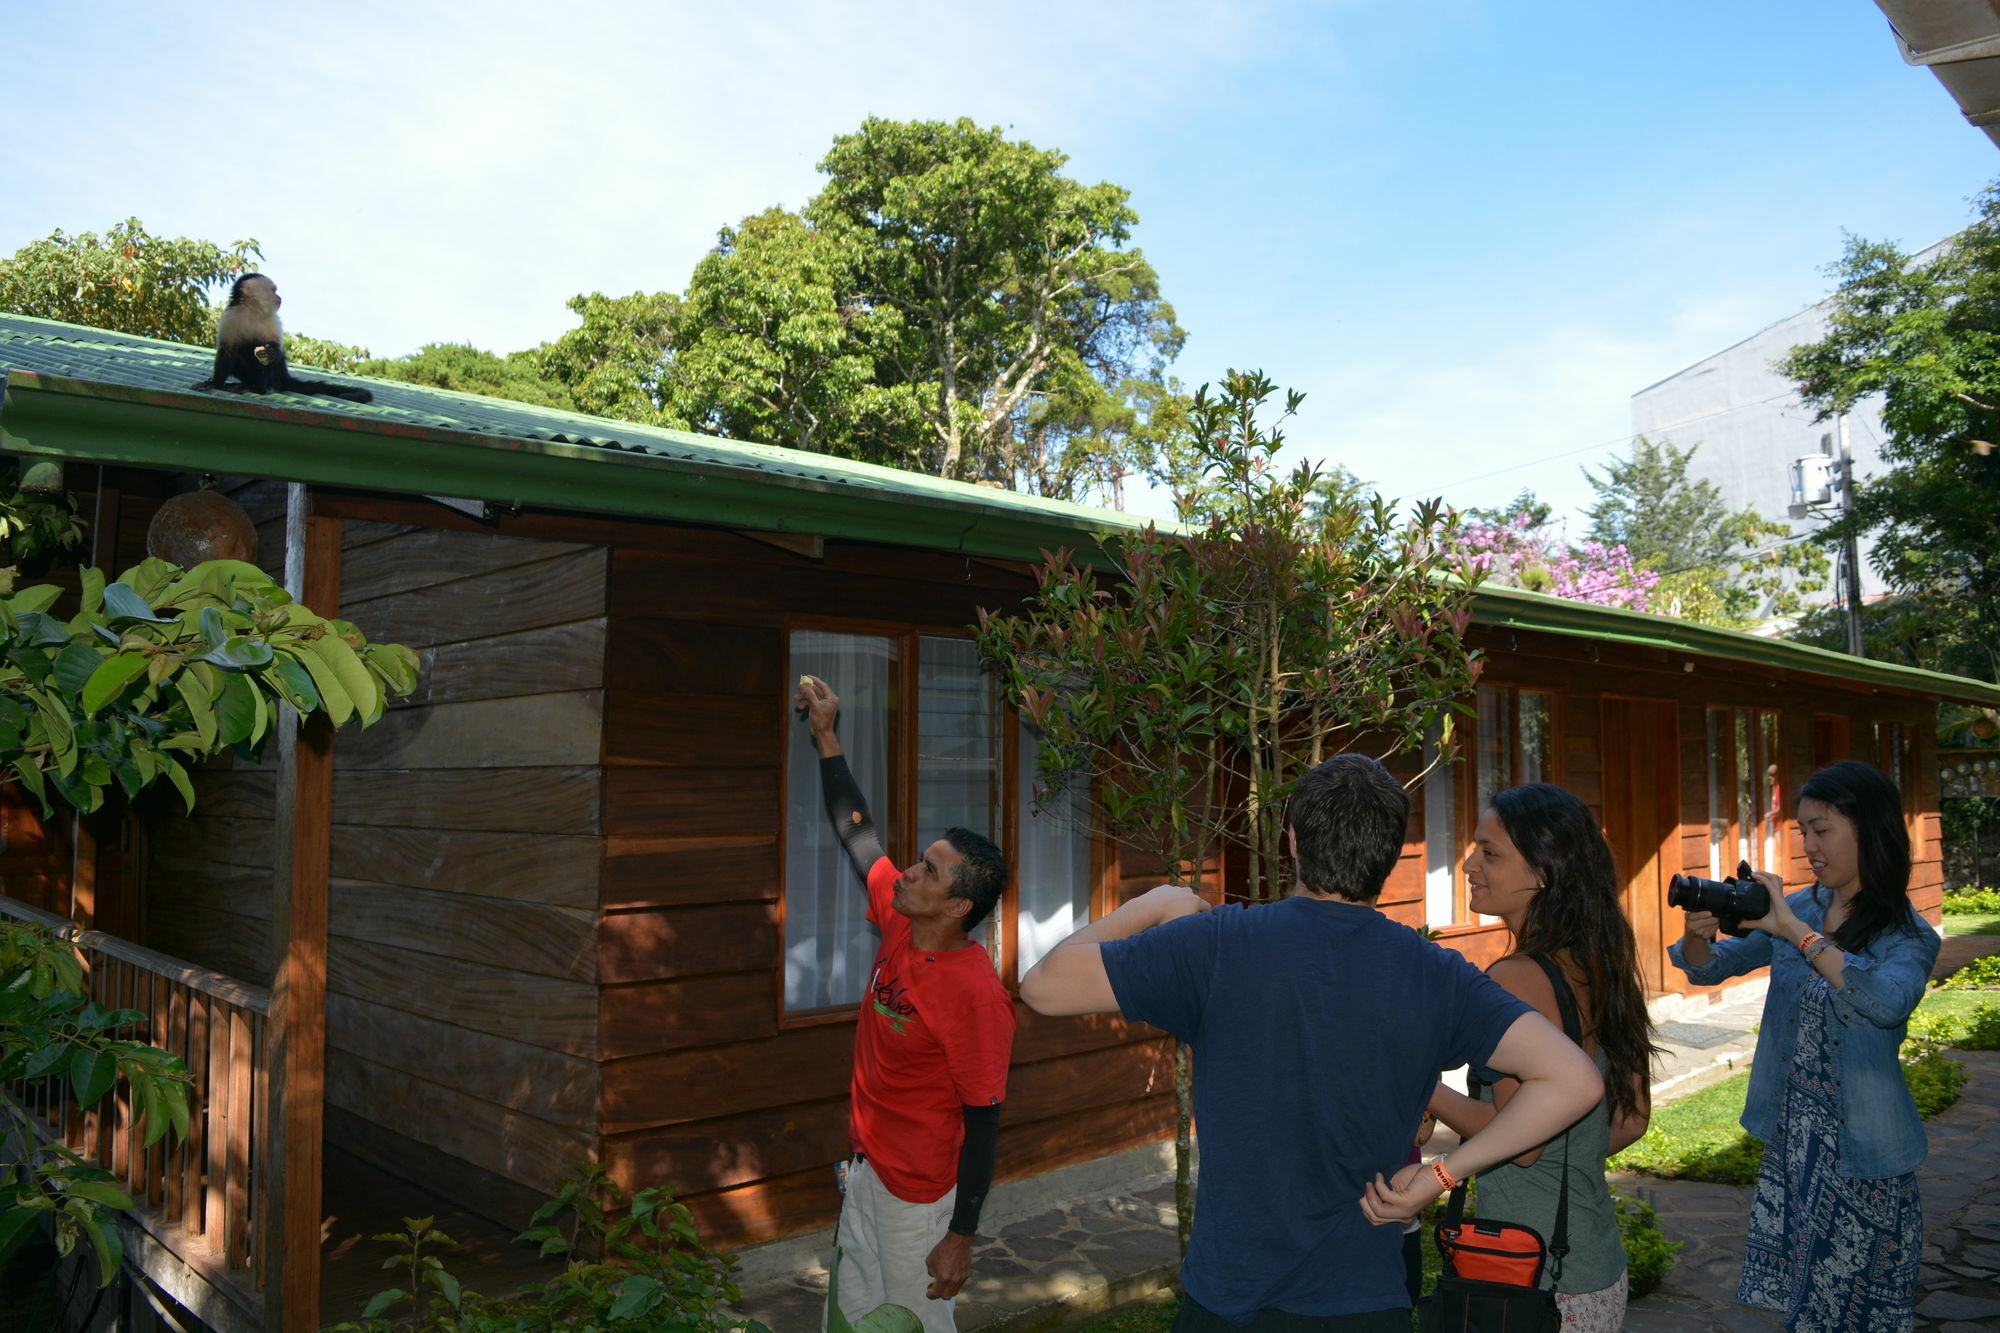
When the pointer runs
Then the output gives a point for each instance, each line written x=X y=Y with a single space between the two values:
x=1733 y=901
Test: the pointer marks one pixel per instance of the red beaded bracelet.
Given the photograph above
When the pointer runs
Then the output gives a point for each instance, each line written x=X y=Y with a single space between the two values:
x=1444 y=1176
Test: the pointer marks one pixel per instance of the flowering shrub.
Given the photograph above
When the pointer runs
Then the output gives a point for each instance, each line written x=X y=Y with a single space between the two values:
x=1523 y=554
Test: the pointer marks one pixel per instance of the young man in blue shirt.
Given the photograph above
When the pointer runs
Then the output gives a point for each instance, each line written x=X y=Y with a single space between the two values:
x=1319 y=1028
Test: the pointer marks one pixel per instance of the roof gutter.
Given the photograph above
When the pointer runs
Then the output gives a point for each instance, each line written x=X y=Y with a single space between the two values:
x=57 y=417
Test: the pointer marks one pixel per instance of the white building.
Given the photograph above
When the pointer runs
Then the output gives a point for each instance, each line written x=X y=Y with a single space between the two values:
x=1751 y=426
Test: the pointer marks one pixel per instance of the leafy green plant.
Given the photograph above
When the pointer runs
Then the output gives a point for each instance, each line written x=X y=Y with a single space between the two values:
x=1231 y=658
x=51 y=1035
x=1971 y=901
x=1980 y=972
x=165 y=663
x=648 y=1272
x=1982 y=1030
x=1649 y=1255
x=1935 y=1079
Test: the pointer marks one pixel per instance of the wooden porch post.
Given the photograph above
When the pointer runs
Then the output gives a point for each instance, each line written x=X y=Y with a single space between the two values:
x=296 y=1037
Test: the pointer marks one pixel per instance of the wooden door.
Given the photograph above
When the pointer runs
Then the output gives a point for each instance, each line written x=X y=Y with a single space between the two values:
x=1641 y=788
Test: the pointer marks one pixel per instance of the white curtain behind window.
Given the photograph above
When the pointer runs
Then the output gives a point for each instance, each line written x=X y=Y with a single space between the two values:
x=829 y=944
x=958 y=741
x=1053 y=877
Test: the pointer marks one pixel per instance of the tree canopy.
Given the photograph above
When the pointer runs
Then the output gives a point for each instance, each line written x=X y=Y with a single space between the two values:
x=1708 y=563
x=1926 y=337
x=126 y=279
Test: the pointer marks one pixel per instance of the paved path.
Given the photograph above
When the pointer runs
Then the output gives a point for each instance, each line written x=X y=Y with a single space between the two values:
x=1960 y=1185
x=1063 y=1267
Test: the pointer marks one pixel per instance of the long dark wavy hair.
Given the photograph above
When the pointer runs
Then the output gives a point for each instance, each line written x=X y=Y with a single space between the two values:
x=1872 y=804
x=1577 y=915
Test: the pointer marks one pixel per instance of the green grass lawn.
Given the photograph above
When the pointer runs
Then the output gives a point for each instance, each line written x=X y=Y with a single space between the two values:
x=1957 y=1004
x=1696 y=1137
x=1976 y=924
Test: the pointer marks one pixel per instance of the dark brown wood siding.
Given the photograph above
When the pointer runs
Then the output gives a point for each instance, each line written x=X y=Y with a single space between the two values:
x=463 y=954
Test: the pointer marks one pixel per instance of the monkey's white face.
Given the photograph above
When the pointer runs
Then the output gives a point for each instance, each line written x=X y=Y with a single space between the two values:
x=261 y=294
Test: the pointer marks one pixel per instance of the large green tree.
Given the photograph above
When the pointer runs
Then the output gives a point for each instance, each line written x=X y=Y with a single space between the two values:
x=1926 y=337
x=1715 y=565
x=126 y=280
x=949 y=302
x=467 y=369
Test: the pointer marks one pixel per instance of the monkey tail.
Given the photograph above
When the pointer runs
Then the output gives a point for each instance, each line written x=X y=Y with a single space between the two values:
x=328 y=390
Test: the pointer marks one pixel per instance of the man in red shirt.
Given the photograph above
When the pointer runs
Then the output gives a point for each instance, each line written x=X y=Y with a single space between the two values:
x=931 y=1049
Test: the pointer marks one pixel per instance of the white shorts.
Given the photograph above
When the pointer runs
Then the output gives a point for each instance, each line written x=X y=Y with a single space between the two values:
x=884 y=1242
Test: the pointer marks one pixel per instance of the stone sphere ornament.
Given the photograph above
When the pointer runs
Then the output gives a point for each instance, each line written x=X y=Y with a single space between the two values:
x=201 y=525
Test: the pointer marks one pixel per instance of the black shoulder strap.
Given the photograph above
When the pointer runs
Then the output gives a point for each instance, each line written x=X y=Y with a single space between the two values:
x=1573 y=1029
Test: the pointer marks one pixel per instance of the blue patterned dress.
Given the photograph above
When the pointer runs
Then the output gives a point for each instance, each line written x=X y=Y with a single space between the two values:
x=1836 y=1254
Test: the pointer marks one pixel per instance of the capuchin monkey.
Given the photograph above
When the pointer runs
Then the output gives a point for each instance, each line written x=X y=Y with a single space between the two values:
x=250 y=346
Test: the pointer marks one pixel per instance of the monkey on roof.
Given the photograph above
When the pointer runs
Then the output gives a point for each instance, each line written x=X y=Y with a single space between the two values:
x=250 y=346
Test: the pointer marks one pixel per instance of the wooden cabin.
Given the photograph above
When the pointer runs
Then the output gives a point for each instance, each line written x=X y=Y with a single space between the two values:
x=576 y=898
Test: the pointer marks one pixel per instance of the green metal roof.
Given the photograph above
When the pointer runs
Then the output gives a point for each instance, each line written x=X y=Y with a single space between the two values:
x=83 y=393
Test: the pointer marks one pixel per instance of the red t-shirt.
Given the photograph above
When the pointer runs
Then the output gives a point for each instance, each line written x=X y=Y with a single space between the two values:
x=935 y=1035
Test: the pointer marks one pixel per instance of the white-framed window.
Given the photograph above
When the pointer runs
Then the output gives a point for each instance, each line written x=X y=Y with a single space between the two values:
x=924 y=731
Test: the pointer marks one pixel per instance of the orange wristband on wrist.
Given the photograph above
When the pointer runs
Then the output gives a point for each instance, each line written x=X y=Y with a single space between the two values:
x=1809 y=939
x=1444 y=1176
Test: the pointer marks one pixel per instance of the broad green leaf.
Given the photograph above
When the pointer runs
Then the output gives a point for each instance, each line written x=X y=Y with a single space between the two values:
x=91 y=1074
x=105 y=1240
x=38 y=598
x=16 y=1225
x=109 y=679
x=236 y=709
x=353 y=676
x=448 y=1284
x=339 y=706
x=381 y=1301
x=295 y=683
x=121 y=602
x=178 y=776
x=637 y=1295
x=99 y=1192
x=43 y=631
x=52 y=1059
x=213 y=632
x=200 y=705
x=75 y=664
x=31 y=778
x=93 y=590
x=238 y=653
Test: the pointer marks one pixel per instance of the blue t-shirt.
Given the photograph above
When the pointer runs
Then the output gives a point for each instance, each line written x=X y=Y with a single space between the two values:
x=1319 y=1030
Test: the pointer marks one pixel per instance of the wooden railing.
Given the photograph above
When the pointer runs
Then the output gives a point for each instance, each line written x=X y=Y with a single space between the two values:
x=200 y=1197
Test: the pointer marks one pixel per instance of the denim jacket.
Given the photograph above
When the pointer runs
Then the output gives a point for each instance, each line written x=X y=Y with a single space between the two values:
x=1880 y=1131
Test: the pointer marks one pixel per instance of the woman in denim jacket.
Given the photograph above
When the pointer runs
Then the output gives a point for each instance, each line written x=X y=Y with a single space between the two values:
x=1835 y=1230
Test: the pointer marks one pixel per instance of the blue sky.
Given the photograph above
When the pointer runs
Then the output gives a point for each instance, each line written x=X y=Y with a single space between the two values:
x=1468 y=230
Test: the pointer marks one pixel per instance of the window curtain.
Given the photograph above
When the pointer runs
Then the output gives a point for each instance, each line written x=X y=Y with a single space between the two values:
x=829 y=944
x=1053 y=874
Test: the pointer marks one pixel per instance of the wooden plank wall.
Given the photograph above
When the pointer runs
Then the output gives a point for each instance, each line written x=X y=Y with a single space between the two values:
x=705 y=1085
x=462 y=1005
x=1585 y=673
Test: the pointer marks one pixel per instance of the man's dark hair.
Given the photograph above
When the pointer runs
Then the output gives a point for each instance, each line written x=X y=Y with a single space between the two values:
x=980 y=876
x=1350 y=817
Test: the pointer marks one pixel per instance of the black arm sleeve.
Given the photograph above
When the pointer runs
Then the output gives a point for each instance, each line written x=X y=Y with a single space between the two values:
x=975 y=1167
x=848 y=809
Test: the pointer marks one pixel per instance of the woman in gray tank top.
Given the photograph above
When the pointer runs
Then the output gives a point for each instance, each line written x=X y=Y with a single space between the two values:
x=1539 y=862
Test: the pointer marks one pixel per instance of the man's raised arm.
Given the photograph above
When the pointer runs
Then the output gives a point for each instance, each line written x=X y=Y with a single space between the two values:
x=845 y=805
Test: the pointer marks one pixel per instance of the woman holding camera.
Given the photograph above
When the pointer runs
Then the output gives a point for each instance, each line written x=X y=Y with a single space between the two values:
x=1835 y=1230
x=1539 y=862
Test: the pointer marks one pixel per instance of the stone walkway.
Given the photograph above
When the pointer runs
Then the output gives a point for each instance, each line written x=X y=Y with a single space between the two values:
x=1960 y=1187
x=1064 y=1266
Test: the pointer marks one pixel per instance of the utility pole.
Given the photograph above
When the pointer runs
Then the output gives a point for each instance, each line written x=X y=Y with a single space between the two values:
x=1851 y=547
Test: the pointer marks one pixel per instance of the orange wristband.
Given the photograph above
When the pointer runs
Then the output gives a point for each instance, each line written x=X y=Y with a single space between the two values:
x=1809 y=939
x=1444 y=1176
